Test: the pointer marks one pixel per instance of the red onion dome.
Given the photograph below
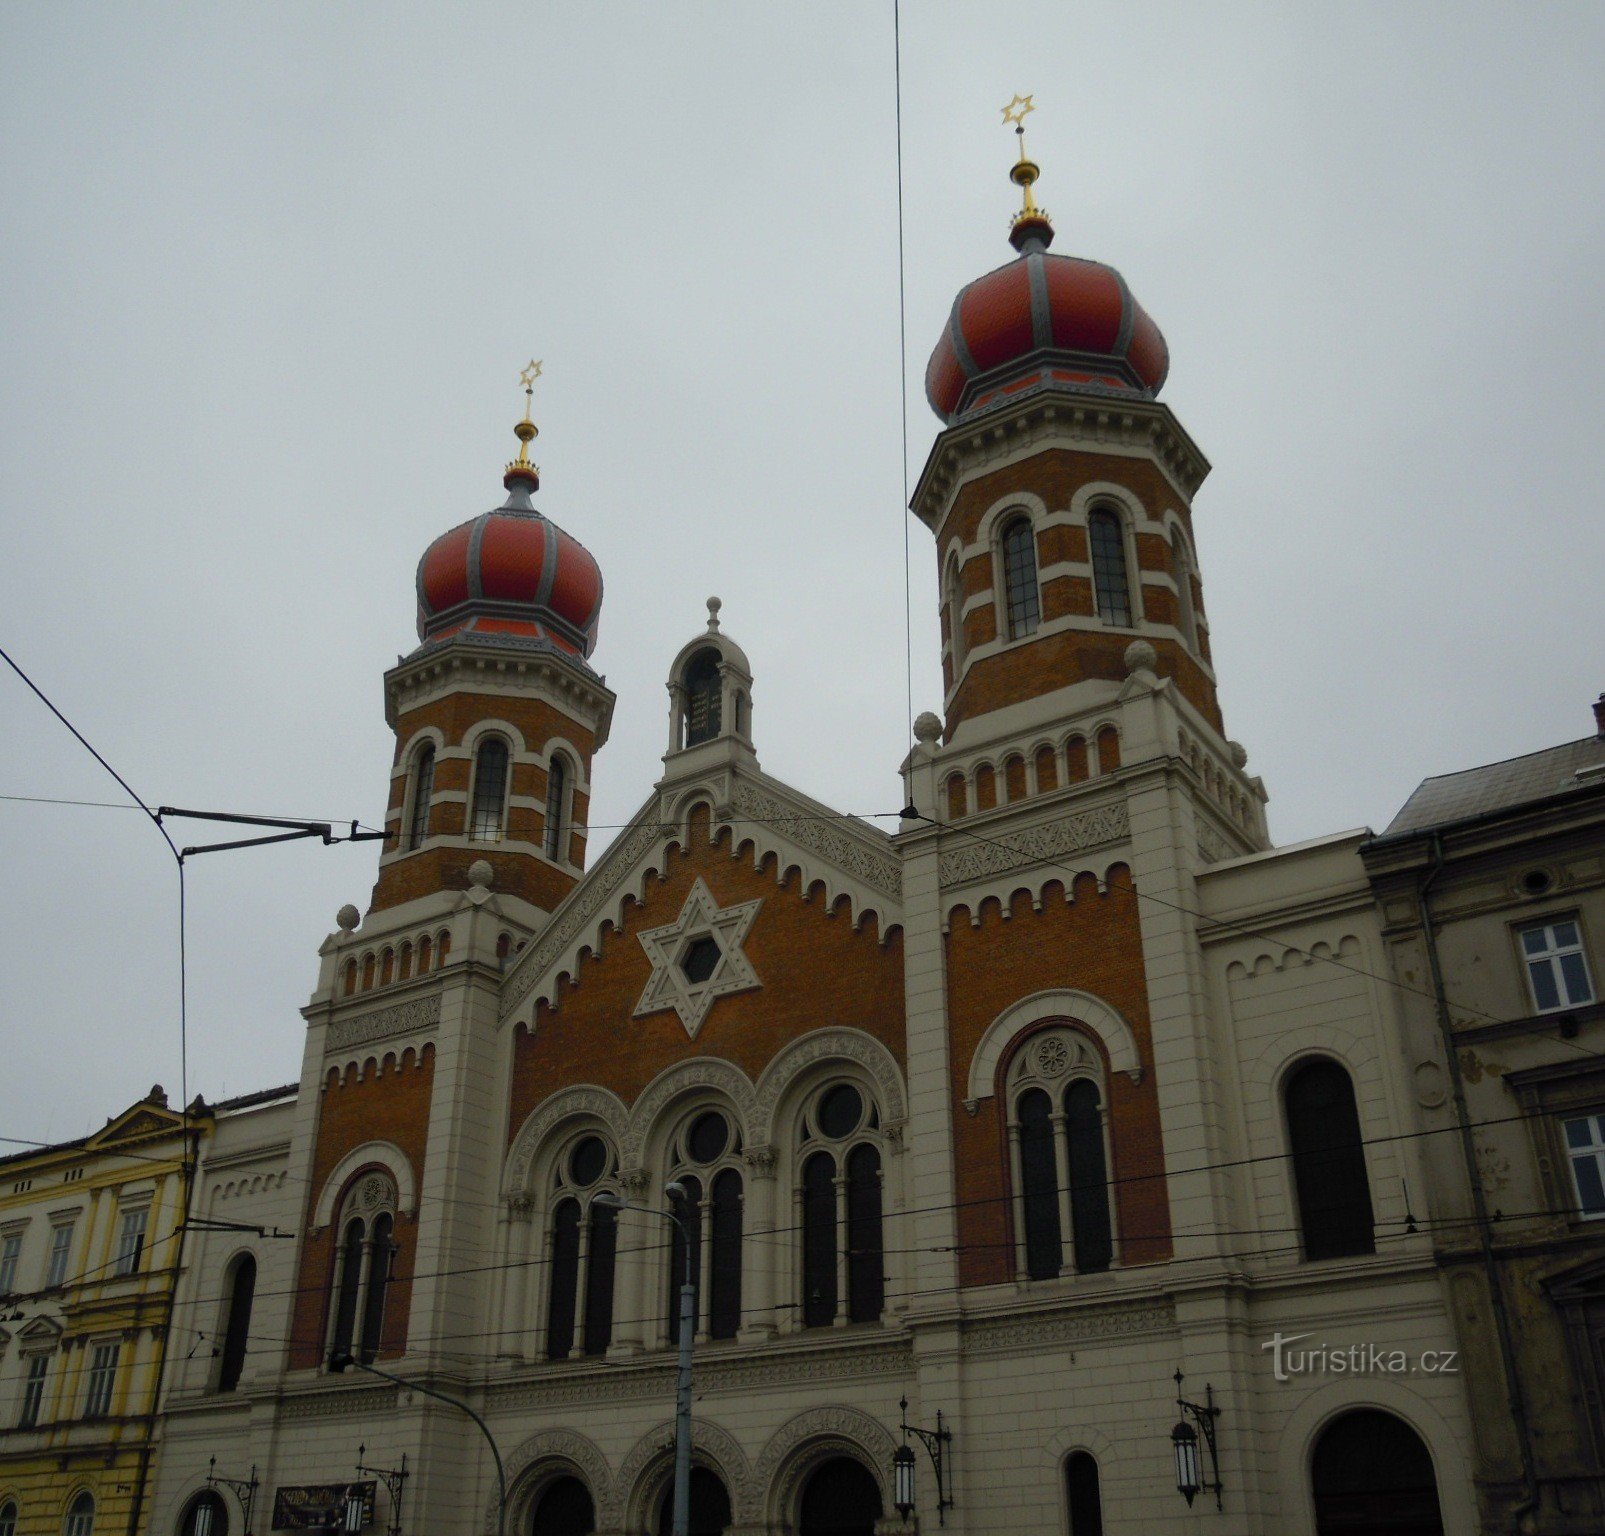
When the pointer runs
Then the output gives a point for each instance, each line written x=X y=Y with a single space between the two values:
x=1043 y=321
x=511 y=573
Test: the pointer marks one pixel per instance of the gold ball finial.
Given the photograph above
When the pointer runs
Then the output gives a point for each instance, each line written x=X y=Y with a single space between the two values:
x=526 y=431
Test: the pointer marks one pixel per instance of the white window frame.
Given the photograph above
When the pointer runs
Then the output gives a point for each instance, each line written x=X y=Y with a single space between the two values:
x=1550 y=958
x=1591 y=1151
x=10 y=1259
x=133 y=1225
x=33 y=1387
x=59 y=1260
x=80 y=1523
x=100 y=1379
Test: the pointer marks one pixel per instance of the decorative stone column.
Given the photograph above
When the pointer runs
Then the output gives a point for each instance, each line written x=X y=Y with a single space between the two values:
x=758 y=1258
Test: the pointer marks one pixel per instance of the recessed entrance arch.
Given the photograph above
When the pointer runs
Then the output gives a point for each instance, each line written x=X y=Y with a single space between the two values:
x=840 y=1498
x=563 y=1508
x=710 y=1505
x=1371 y=1475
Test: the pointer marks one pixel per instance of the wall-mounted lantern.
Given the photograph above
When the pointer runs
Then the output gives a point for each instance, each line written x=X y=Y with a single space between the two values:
x=244 y=1489
x=935 y=1442
x=1184 y=1442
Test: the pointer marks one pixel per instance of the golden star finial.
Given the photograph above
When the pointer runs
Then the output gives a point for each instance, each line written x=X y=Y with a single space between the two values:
x=1016 y=110
x=526 y=431
x=527 y=376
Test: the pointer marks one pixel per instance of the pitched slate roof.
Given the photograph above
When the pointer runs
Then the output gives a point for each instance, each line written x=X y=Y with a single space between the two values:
x=1502 y=786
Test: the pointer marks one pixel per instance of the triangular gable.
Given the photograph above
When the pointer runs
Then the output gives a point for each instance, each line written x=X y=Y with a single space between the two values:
x=1579 y=1286
x=135 y=1123
x=42 y=1330
x=850 y=857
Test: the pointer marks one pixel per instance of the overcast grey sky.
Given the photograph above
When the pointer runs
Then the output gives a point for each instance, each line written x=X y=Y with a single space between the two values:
x=270 y=273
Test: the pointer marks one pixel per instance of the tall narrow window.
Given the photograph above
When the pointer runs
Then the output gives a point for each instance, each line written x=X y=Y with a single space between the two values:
x=350 y=1283
x=242 y=1291
x=1039 y=1174
x=702 y=698
x=490 y=790
x=1181 y=569
x=866 y=1285
x=1585 y=1150
x=102 y=1377
x=380 y=1252
x=206 y=1516
x=955 y=615
x=33 y=1390
x=556 y=793
x=8 y=1519
x=689 y=1227
x=130 y=1242
x=1020 y=578
x=1089 y=1177
x=60 y=1254
x=705 y=1159
x=819 y=1240
x=423 y=788
x=1081 y=1488
x=724 y=1273
x=560 y=1306
x=1334 y=1197
x=599 y=1279
x=81 y=1516
x=1109 y=580
x=10 y=1257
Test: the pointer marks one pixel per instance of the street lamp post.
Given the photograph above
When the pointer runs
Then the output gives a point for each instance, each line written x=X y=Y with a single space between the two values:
x=343 y=1359
x=682 y=1385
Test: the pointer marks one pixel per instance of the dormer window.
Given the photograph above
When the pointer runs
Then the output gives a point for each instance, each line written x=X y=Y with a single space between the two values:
x=1020 y=579
x=1110 y=582
x=702 y=686
x=490 y=791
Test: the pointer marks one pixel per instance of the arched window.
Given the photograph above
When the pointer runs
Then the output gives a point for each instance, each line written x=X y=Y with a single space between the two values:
x=1060 y=1161
x=237 y=1328
x=702 y=687
x=207 y=1515
x=840 y=1498
x=1081 y=1491
x=423 y=787
x=362 y=1265
x=1371 y=1473
x=1110 y=583
x=1323 y=1130
x=953 y=595
x=564 y=1508
x=1021 y=601
x=8 y=1518
x=709 y=1501
x=80 y=1519
x=485 y=821
x=582 y=1247
x=1181 y=567
x=705 y=1157
x=839 y=1195
x=556 y=807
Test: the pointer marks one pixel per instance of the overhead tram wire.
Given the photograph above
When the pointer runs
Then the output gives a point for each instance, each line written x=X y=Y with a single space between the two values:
x=902 y=371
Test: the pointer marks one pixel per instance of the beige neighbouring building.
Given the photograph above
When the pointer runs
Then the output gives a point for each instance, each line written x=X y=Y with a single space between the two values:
x=1063 y=1083
x=1492 y=888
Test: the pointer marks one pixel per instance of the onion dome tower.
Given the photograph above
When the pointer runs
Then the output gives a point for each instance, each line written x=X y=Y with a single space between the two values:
x=1060 y=489
x=497 y=713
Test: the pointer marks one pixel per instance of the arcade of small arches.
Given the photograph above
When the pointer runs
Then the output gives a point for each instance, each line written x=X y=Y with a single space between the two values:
x=1019 y=553
x=1048 y=766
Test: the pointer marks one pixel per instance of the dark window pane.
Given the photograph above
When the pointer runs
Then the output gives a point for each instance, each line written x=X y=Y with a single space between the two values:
x=490 y=789
x=241 y=1293
x=373 y=1311
x=345 y=1318
x=1086 y=1507
x=599 y=1279
x=724 y=1300
x=1109 y=578
x=1089 y=1178
x=1371 y=1473
x=840 y=1498
x=556 y=788
x=840 y=1110
x=588 y=1161
x=1334 y=1197
x=709 y=1136
x=423 y=786
x=866 y=1284
x=564 y=1279
x=701 y=959
x=819 y=1241
x=709 y=1505
x=564 y=1509
x=689 y=1211
x=1044 y=1245
x=1020 y=578
x=702 y=698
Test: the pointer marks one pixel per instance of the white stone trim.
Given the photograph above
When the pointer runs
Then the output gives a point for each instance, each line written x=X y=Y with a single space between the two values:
x=1080 y=1008
x=388 y=1156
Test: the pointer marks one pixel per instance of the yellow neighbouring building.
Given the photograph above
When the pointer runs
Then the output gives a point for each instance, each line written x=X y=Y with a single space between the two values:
x=89 y=1244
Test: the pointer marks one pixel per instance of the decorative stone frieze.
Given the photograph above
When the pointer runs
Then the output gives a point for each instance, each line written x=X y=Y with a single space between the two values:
x=1035 y=845
x=419 y=1015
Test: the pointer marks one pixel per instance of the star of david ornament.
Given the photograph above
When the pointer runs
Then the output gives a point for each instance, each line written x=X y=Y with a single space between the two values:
x=697 y=958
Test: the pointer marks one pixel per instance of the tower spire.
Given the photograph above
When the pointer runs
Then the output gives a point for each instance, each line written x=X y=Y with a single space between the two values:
x=1030 y=227
x=521 y=470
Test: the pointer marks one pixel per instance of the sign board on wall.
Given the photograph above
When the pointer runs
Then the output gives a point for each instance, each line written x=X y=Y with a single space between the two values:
x=320 y=1506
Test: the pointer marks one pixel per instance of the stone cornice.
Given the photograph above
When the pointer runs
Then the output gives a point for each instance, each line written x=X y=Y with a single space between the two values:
x=1141 y=428
x=427 y=674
